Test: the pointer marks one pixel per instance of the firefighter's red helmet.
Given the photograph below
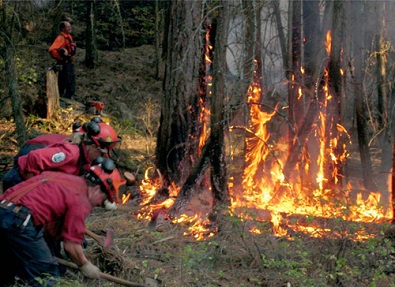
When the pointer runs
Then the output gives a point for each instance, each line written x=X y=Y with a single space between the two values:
x=103 y=135
x=104 y=172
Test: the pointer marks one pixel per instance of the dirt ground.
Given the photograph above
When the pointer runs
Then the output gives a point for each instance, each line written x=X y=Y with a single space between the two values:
x=165 y=254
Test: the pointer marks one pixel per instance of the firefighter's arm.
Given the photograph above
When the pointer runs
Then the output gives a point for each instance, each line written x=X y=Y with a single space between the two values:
x=48 y=158
x=75 y=252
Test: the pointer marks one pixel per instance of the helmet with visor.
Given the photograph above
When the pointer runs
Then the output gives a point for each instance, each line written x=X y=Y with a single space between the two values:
x=104 y=173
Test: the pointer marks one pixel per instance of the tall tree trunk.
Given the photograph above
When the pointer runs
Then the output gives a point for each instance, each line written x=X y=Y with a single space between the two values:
x=120 y=22
x=282 y=38
x=393 y=185
x=10 y=68
x=296 y=109
x=91 y=56
x=360 y=103
x=179 y=129
x=157 y=40
x=384 y=124
x=333 y=144
x=311 y=32
x=219 y=179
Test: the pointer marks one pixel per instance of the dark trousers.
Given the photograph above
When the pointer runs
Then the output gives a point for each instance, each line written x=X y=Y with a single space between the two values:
x=66 y=80
x=24 y=252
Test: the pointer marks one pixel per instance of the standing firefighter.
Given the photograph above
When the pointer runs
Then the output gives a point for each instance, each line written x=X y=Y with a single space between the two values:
x=55 y=204
x=63 y=50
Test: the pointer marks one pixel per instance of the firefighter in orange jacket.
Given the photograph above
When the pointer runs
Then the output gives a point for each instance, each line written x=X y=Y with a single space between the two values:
x=63 y=50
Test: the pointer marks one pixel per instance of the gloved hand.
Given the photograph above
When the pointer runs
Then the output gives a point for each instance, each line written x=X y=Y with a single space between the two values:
x=110 y=206
x=62 y=51
x=91 y=271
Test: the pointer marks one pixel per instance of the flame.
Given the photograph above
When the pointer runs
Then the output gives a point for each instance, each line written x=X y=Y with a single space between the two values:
x=328 y=42
x=265 y=194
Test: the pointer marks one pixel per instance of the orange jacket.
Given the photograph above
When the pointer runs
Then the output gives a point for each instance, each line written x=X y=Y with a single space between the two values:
x=63 y=40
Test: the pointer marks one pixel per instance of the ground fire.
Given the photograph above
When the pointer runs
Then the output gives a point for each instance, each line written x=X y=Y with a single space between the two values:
x=303 y=199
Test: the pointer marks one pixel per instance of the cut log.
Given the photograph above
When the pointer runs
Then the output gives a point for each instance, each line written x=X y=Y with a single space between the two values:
x=52 y=94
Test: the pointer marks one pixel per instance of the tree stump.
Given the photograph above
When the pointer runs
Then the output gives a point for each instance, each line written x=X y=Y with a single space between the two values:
x=52 y=94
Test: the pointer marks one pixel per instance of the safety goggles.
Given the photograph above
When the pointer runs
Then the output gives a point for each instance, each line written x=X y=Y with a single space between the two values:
x=106 y=147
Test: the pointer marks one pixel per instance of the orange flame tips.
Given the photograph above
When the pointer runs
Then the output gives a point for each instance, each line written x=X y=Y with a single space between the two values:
x=328 y=42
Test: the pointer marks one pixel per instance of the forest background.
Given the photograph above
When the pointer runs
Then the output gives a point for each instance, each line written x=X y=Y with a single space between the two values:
x=261 y=133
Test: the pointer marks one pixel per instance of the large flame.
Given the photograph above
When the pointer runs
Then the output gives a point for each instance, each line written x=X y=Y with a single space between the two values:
x=263 y=178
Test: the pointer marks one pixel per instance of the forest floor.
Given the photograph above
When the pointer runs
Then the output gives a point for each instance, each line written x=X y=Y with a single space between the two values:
x=166 y=253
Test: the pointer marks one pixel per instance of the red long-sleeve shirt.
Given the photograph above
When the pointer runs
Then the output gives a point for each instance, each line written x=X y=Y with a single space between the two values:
x=63 y=156
x=47 y=139
x=60 y=204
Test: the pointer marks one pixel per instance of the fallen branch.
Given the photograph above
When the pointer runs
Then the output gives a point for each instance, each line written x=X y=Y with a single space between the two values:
x=102 y=275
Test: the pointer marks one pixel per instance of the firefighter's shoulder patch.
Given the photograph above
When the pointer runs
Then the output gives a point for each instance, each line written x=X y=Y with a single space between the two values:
x=58 y=157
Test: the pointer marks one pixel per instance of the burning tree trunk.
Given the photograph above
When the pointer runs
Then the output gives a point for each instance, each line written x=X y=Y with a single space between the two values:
x=180 y=111
x=296 y=109
x=219 y=179
x=393 y=185
x=213 y=152
x=194 y=178
x=333 y=144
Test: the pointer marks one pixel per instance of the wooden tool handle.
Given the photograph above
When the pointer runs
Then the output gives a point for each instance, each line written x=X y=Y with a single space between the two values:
x=102 y=275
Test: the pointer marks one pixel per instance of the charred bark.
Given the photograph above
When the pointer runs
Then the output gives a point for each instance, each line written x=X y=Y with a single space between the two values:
x=187 y=190
x=333 y=170
x=311 y=32
x=296 y=109
x=393 y=185
x=219 y=179
x=295 y=152
x=178 y=132
x=366 y=162
x=361 y=105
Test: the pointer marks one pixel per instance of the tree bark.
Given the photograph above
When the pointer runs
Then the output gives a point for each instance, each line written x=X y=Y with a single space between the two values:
x=91 y=56
x=219 y=179
x=193 y=180
x=333 y=144
x=180 y=128
x=360 y=103
x=311 y=32
x=10 y=68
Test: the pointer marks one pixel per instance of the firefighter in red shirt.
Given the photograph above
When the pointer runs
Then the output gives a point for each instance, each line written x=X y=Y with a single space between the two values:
x=56 y=204
x=63 y=50
x=72 y=157
x=13 y=177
